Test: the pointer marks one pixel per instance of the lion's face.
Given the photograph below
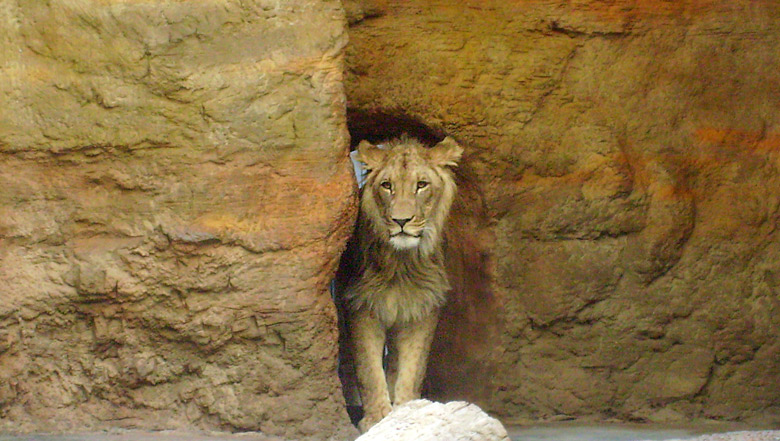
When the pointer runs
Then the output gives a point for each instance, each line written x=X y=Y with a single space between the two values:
x=409 y=191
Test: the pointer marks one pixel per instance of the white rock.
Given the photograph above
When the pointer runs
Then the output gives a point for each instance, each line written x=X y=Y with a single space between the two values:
x=423 y=420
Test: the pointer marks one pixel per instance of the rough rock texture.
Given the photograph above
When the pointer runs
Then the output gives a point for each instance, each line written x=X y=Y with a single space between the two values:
x=616 y=248
x=174 y=196
x=423 y=420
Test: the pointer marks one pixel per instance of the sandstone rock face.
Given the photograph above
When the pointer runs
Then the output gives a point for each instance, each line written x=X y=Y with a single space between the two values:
x=617 y=248
x=174 y=196
x=422 y=420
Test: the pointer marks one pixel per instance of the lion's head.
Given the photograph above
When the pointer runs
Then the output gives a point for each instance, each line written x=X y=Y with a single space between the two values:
x=408 y=192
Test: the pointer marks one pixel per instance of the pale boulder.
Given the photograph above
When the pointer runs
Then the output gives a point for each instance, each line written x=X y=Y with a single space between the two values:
x=423 y=420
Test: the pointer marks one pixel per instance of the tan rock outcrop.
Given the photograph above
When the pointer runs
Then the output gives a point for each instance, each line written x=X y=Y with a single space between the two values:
x=617 y=247
x=174 y=196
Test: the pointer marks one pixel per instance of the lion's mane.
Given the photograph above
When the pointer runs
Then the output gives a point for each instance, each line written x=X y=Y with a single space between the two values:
x=399 y=286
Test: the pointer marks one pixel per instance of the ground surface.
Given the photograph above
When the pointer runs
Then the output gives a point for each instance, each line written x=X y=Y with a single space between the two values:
x=556 y=432
x=565 y=432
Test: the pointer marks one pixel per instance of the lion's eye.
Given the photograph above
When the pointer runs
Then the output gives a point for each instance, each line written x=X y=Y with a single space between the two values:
x=421 y=185
x=386 y=185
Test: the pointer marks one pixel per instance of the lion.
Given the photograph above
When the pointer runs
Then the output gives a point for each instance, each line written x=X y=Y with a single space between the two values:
x=393 y=276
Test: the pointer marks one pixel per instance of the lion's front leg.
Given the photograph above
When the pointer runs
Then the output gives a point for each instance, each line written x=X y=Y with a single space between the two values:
x=368 y=340
x=391 y=364
x=413 y=341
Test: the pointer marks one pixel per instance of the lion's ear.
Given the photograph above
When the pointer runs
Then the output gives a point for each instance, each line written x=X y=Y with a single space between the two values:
x=370 y=155
x=447 y=152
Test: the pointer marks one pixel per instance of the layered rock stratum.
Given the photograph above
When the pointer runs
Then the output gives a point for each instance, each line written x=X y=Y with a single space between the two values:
x=174 y=196
x=616 y=248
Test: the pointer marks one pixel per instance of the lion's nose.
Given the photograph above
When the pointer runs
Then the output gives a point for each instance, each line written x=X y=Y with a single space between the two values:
x=401 y=222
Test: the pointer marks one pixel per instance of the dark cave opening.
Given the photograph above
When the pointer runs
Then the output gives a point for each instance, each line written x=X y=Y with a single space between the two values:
x=457 y=365
x=377 y=126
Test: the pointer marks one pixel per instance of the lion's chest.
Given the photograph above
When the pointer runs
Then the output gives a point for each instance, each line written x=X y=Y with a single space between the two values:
x=396 y=305
x=399 y=297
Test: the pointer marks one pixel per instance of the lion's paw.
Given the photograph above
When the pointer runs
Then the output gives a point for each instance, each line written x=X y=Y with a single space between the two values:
x=369 y=420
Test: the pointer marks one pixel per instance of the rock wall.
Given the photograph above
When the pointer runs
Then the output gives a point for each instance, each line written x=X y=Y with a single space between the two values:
x=617 y=250
x=175 y=193
x=174 y=196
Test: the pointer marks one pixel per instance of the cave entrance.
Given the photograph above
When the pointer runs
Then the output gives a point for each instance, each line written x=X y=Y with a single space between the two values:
x=457 y=362
x=377 y=126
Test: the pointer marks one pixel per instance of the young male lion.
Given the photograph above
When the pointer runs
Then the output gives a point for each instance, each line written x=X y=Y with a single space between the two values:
x=394 y=269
